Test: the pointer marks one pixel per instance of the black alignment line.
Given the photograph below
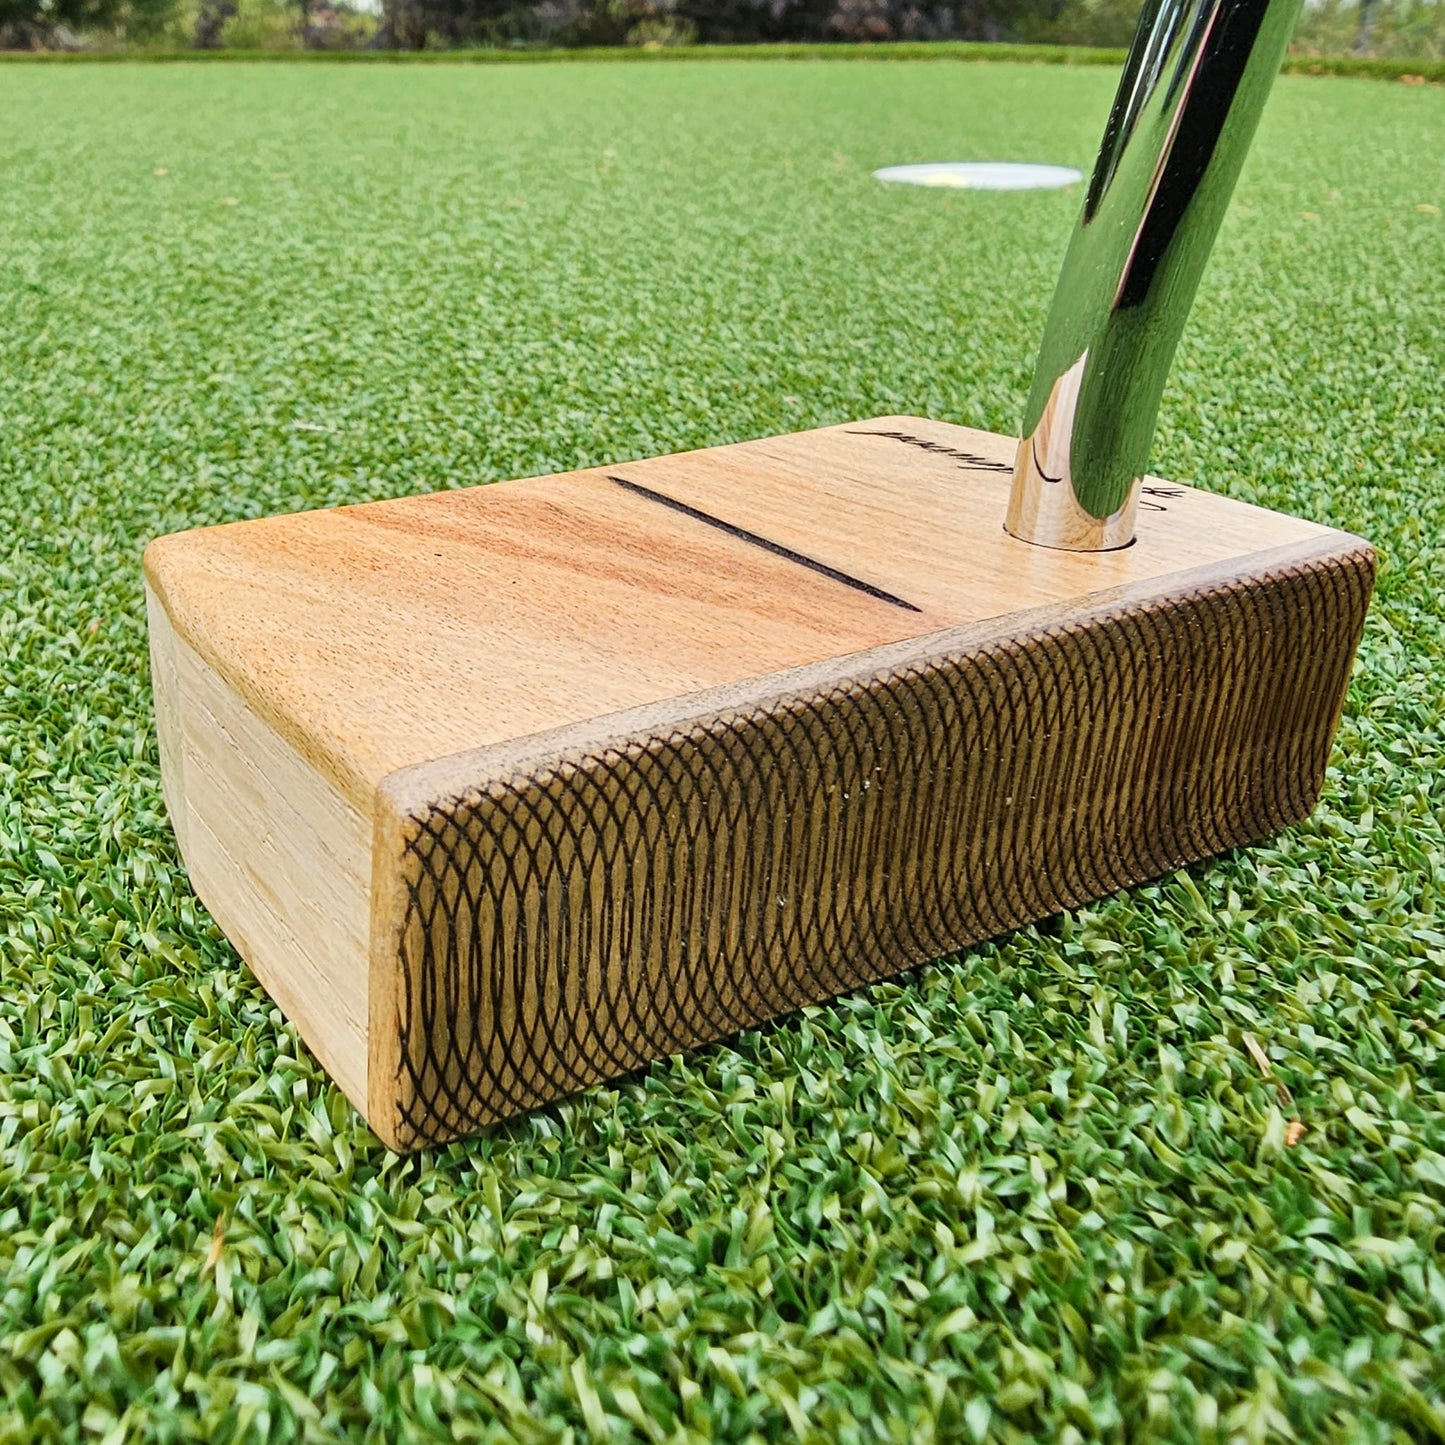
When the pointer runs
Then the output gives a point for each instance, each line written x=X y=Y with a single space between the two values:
x=776 y=548
x=1038 y=465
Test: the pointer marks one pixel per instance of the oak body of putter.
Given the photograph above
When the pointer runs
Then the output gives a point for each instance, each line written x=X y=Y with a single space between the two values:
x=505 y=791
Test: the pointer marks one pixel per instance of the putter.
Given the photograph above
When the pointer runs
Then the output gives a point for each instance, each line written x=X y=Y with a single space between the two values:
x=507 y=791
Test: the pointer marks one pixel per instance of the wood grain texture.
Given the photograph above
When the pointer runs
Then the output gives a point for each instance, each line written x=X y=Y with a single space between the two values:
x=379 y=636
x=644 y=755
x=273 y=849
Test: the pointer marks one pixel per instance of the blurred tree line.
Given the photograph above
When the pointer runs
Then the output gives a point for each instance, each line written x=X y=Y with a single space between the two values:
x=1397 y=29
x=682 y=22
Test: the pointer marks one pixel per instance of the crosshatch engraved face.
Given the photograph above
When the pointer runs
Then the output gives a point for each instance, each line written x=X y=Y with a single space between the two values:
x=566 y=926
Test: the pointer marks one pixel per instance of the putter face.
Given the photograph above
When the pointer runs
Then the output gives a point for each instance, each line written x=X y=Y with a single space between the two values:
x=507 y=791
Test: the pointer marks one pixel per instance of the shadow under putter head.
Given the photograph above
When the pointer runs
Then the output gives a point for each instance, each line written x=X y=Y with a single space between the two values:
x=506 y=791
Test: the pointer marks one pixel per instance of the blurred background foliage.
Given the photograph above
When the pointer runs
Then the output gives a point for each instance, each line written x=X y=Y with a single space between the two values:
x=1398 y=30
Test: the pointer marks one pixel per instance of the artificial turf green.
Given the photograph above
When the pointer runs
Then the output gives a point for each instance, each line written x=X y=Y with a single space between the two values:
x=1037 y=1191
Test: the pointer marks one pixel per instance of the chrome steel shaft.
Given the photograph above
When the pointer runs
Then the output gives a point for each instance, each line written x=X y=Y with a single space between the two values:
x=1188 y=103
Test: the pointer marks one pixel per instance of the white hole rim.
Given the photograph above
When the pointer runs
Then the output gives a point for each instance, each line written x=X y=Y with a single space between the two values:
x=980 y=176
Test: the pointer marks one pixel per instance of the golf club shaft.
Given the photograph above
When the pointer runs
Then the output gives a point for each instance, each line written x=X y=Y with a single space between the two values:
x=1190 y=97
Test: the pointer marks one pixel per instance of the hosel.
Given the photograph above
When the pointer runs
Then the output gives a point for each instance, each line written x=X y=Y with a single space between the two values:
x=1187 y=106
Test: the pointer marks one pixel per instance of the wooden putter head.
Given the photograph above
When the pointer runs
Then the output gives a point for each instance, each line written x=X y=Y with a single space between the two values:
x=505 y=791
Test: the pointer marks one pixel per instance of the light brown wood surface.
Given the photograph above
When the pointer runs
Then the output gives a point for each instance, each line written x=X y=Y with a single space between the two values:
x=277 y=852
x=383 y=635
x=354 y=705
